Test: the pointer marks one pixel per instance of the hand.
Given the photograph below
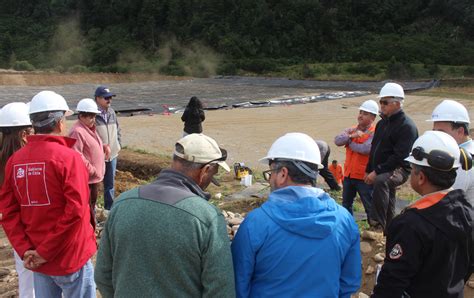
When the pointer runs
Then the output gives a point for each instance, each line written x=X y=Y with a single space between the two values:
x=32 y=260
x=107 y=151
x=356 y=134
x=370 y=178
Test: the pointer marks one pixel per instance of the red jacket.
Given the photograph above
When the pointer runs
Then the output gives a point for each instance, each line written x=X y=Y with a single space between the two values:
x=45 y=204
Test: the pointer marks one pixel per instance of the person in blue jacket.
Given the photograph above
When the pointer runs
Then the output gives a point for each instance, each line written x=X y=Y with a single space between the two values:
x=300 y=243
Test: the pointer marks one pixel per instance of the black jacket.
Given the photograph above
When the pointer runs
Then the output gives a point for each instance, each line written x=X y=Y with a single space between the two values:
x=192 y=120
x=429 y=251
x=394 y=136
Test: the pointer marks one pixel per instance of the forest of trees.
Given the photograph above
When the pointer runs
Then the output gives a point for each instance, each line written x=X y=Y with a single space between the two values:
x=161 y=34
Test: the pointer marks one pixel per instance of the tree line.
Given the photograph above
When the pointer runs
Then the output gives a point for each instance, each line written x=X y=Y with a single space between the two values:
x=105 y=34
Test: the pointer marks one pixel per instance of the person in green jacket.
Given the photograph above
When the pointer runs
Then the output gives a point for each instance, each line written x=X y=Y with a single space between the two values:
x=165 y=239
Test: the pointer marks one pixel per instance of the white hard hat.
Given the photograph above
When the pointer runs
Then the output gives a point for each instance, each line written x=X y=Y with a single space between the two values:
x=49 y=101
x=451 y=111
x=87 y=105
x=392 y=89
x=295 y=146
x=14 y=114
x=435 y=147
x=370 y=106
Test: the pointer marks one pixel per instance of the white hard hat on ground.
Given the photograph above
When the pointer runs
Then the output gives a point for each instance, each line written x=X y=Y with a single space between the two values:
x=392 y=90
x=435 y=149
x=295 y=146
x=450 y=111
x=370 y=106
x=87 y=105
x=14 y=114
x=49 y=101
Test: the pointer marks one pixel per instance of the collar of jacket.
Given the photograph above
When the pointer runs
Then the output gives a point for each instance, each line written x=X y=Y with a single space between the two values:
x=394 y=116
x=65 y=141
x=175 y=178
x=85 y=126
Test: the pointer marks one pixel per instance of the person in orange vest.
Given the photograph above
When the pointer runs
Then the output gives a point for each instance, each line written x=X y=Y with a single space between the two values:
x=358 y=140
x=337 y=172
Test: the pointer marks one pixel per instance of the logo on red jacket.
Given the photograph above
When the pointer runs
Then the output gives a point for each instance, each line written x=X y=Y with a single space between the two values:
x=396 y=252
x=20 y=173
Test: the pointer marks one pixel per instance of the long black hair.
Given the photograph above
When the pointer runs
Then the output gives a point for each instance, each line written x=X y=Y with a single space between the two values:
x=194 y=103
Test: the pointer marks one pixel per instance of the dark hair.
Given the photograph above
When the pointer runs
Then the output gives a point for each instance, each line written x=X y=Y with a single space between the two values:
x=12 y=140
x=85 y=114
x=441 y=179
x=334 y=161
x=295 y=174
x=465 y=126
x=194 y=103
x=40 y=116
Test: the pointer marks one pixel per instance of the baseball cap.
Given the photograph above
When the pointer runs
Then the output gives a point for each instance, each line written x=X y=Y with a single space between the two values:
x=103 y=91
x=200 y=148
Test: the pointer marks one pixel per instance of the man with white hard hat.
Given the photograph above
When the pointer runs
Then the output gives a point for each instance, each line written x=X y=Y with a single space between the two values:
x=300 y=242
x=164 y=239
x=45 y=205
x=357 y=140
x=429 y=250
x=452 y=118
x=387 y=168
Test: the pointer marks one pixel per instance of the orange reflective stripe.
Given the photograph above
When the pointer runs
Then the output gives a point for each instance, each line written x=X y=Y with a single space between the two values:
x=429 y=201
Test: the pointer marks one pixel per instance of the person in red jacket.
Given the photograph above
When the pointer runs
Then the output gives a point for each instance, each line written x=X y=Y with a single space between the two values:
x=45 y=205
x=337 y=172
x=358 y=140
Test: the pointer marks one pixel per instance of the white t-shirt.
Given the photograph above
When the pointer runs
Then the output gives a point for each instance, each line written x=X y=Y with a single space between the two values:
x=465 y=179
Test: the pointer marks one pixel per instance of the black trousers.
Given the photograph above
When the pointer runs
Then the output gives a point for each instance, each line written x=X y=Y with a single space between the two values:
x=326 y=174
x=384 y=195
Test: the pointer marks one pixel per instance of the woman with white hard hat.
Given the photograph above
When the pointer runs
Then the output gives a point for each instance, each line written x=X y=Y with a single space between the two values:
x=15 y=126
x=89 y=145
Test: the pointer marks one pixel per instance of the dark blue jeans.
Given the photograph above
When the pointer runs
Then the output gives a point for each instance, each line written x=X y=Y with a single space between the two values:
x=350 y=187
x=109 y=183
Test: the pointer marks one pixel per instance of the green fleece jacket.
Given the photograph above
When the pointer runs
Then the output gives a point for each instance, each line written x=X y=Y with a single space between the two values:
x=165 y=240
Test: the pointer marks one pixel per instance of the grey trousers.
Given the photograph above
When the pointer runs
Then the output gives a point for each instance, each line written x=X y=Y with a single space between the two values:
x=383 y=197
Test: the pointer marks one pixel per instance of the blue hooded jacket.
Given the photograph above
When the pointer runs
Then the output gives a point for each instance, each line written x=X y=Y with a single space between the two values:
x=300 y=243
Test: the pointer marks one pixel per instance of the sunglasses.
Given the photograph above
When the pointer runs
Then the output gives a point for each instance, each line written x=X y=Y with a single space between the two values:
x=437 y=159
x=386 y=102
x=268 y=173
x=108 y=98
x=222 y=158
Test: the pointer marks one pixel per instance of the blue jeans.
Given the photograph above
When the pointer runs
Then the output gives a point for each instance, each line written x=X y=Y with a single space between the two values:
x=78 y=284
x=109 y=183
x=349 y=190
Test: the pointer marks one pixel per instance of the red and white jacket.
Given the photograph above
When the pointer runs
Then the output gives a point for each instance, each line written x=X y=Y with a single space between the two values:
x=45 y=204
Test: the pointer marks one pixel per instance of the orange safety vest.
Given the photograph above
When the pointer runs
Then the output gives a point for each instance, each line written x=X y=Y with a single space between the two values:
x=355 y=164
x=337 y=173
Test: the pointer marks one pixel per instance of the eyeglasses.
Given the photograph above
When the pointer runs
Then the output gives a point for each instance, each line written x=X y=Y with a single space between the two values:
x=268 y=173
x=437 y=159
x=108 y=98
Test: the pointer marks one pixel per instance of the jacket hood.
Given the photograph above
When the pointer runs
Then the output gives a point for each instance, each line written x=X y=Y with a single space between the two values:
x=452 y=215
x=306 y=211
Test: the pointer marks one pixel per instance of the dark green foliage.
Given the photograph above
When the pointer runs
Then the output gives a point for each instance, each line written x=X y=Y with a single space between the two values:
x=23 y=65
x=256 y=35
